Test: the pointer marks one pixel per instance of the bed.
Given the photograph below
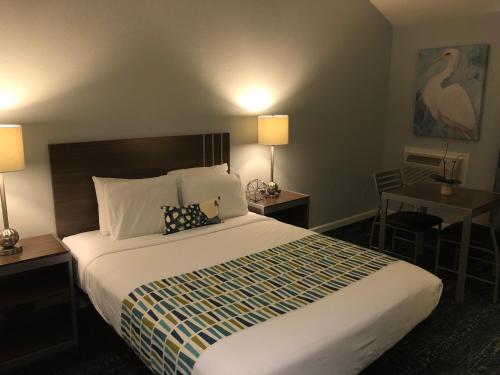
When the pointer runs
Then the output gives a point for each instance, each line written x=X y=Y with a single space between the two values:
x=340 y=333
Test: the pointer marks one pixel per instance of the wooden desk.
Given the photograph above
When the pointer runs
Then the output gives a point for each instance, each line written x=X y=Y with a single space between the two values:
x=463 y=202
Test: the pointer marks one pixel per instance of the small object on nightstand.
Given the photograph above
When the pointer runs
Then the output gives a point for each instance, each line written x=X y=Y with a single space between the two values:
x=272 y=190
x=256 y=190
x=37 y=308
x=288 y=207
x=8 y=239
x=11 y=160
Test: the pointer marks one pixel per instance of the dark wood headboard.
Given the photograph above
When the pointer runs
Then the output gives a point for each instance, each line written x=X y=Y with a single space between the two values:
x=74 y=164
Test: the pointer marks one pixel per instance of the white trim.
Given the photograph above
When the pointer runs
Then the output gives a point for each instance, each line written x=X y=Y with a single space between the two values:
x=345 y=221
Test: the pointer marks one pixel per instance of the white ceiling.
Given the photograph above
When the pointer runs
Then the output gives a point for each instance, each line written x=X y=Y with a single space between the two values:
x=408 y=12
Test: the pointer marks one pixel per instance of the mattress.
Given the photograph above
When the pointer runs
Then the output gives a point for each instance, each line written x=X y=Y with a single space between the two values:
x=339 y=334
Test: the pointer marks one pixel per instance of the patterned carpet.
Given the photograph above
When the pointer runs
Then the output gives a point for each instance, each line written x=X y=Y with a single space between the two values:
x=455 y=339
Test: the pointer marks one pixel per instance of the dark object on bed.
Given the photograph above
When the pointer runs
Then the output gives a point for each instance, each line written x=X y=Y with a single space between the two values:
x=73 y=165
x=191 y=216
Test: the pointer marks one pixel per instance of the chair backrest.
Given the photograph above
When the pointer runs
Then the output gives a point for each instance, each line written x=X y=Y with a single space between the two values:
x=495 y=214
x=388 y=180
x=496 y=188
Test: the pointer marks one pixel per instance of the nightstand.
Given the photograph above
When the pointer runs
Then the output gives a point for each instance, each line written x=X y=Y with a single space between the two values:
x=37 y=308
x=289 y=207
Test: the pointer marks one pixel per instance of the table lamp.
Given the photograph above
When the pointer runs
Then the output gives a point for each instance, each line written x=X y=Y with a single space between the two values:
x=11 y=159
x=273 y=131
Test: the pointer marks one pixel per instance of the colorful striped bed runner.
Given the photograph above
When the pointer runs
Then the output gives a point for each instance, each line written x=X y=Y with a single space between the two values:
x=170 y=322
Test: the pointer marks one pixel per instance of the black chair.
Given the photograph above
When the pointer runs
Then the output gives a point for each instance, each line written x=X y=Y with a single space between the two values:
x=412 y=222
x=484 y=239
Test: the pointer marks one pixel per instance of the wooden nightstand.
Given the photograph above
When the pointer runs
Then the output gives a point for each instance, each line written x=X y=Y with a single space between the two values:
x=37 y=308
x=289 y=207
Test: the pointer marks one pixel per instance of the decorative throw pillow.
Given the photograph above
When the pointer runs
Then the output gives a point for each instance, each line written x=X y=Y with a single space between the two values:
x=192 y=216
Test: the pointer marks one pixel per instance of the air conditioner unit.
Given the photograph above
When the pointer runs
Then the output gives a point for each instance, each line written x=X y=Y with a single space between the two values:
x=419 y=164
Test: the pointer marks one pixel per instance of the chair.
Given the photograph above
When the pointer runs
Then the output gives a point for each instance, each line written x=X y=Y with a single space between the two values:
x=412 y=222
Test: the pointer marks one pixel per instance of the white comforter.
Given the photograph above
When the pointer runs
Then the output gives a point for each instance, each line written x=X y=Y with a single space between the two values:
x=340 y=334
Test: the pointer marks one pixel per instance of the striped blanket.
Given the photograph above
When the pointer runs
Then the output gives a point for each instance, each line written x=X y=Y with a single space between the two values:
x=170 y=322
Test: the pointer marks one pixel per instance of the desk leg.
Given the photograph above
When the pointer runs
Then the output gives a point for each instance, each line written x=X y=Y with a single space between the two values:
x=464 y=255
x=383 y=220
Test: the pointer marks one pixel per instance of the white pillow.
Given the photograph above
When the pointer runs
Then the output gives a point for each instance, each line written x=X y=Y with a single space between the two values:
x=101 y=203
x=200 y=188
x=220 y=169
x=134 y=207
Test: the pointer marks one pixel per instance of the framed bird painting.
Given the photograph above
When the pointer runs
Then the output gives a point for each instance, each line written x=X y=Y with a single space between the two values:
x=450 y=87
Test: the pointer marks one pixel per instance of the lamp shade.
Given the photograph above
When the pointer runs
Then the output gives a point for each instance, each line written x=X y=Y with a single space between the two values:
x=11 y=148
x=273 y=130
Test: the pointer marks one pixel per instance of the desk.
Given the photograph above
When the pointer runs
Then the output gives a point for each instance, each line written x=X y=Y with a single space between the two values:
x=463 y=202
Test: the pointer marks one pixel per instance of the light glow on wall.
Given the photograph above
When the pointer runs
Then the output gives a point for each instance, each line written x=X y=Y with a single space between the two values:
x=251 y=69
x=7 y=100
x=243 y=64
x=48 y=53
x=255 y=99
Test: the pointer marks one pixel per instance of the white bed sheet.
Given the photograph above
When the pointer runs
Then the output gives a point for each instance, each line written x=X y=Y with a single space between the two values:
x=340 y=334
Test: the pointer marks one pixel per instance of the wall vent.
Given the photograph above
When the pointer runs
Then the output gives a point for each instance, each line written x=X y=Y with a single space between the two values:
x=419 y=164
x=423 y=160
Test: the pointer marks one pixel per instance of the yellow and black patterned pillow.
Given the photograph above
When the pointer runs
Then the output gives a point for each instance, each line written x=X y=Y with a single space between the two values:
x=192 y=216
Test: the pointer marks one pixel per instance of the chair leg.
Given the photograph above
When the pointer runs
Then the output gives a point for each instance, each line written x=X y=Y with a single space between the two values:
x=372 y=232
x=440 y=228
x=419 y=245
x=438 y=253
x=497 y=276
x=393 y=241
x=455 y=256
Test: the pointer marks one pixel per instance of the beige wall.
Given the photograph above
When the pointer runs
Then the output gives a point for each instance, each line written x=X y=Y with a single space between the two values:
x=92 y=70
x=406 y=43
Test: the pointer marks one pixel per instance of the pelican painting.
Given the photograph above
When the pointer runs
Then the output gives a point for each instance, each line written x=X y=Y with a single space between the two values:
x=450 y=85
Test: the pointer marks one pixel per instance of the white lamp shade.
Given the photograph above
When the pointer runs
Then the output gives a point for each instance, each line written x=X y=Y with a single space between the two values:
x=273 y=130
x=11 y=148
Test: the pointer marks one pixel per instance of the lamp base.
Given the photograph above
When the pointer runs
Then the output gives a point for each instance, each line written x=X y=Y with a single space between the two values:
x=8 y=240
x=11 y=250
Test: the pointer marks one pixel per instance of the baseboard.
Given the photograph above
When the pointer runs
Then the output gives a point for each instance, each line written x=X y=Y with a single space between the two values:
x=344 y=221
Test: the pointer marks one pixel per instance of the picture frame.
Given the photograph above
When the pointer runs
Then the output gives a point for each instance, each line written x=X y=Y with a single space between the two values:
x=450 y=90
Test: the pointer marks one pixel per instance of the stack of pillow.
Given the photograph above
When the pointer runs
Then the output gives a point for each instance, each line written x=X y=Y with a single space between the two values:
x=180 y=200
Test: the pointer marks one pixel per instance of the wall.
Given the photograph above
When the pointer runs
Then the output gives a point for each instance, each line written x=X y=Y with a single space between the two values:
x=406 y=43
x=92 y=70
